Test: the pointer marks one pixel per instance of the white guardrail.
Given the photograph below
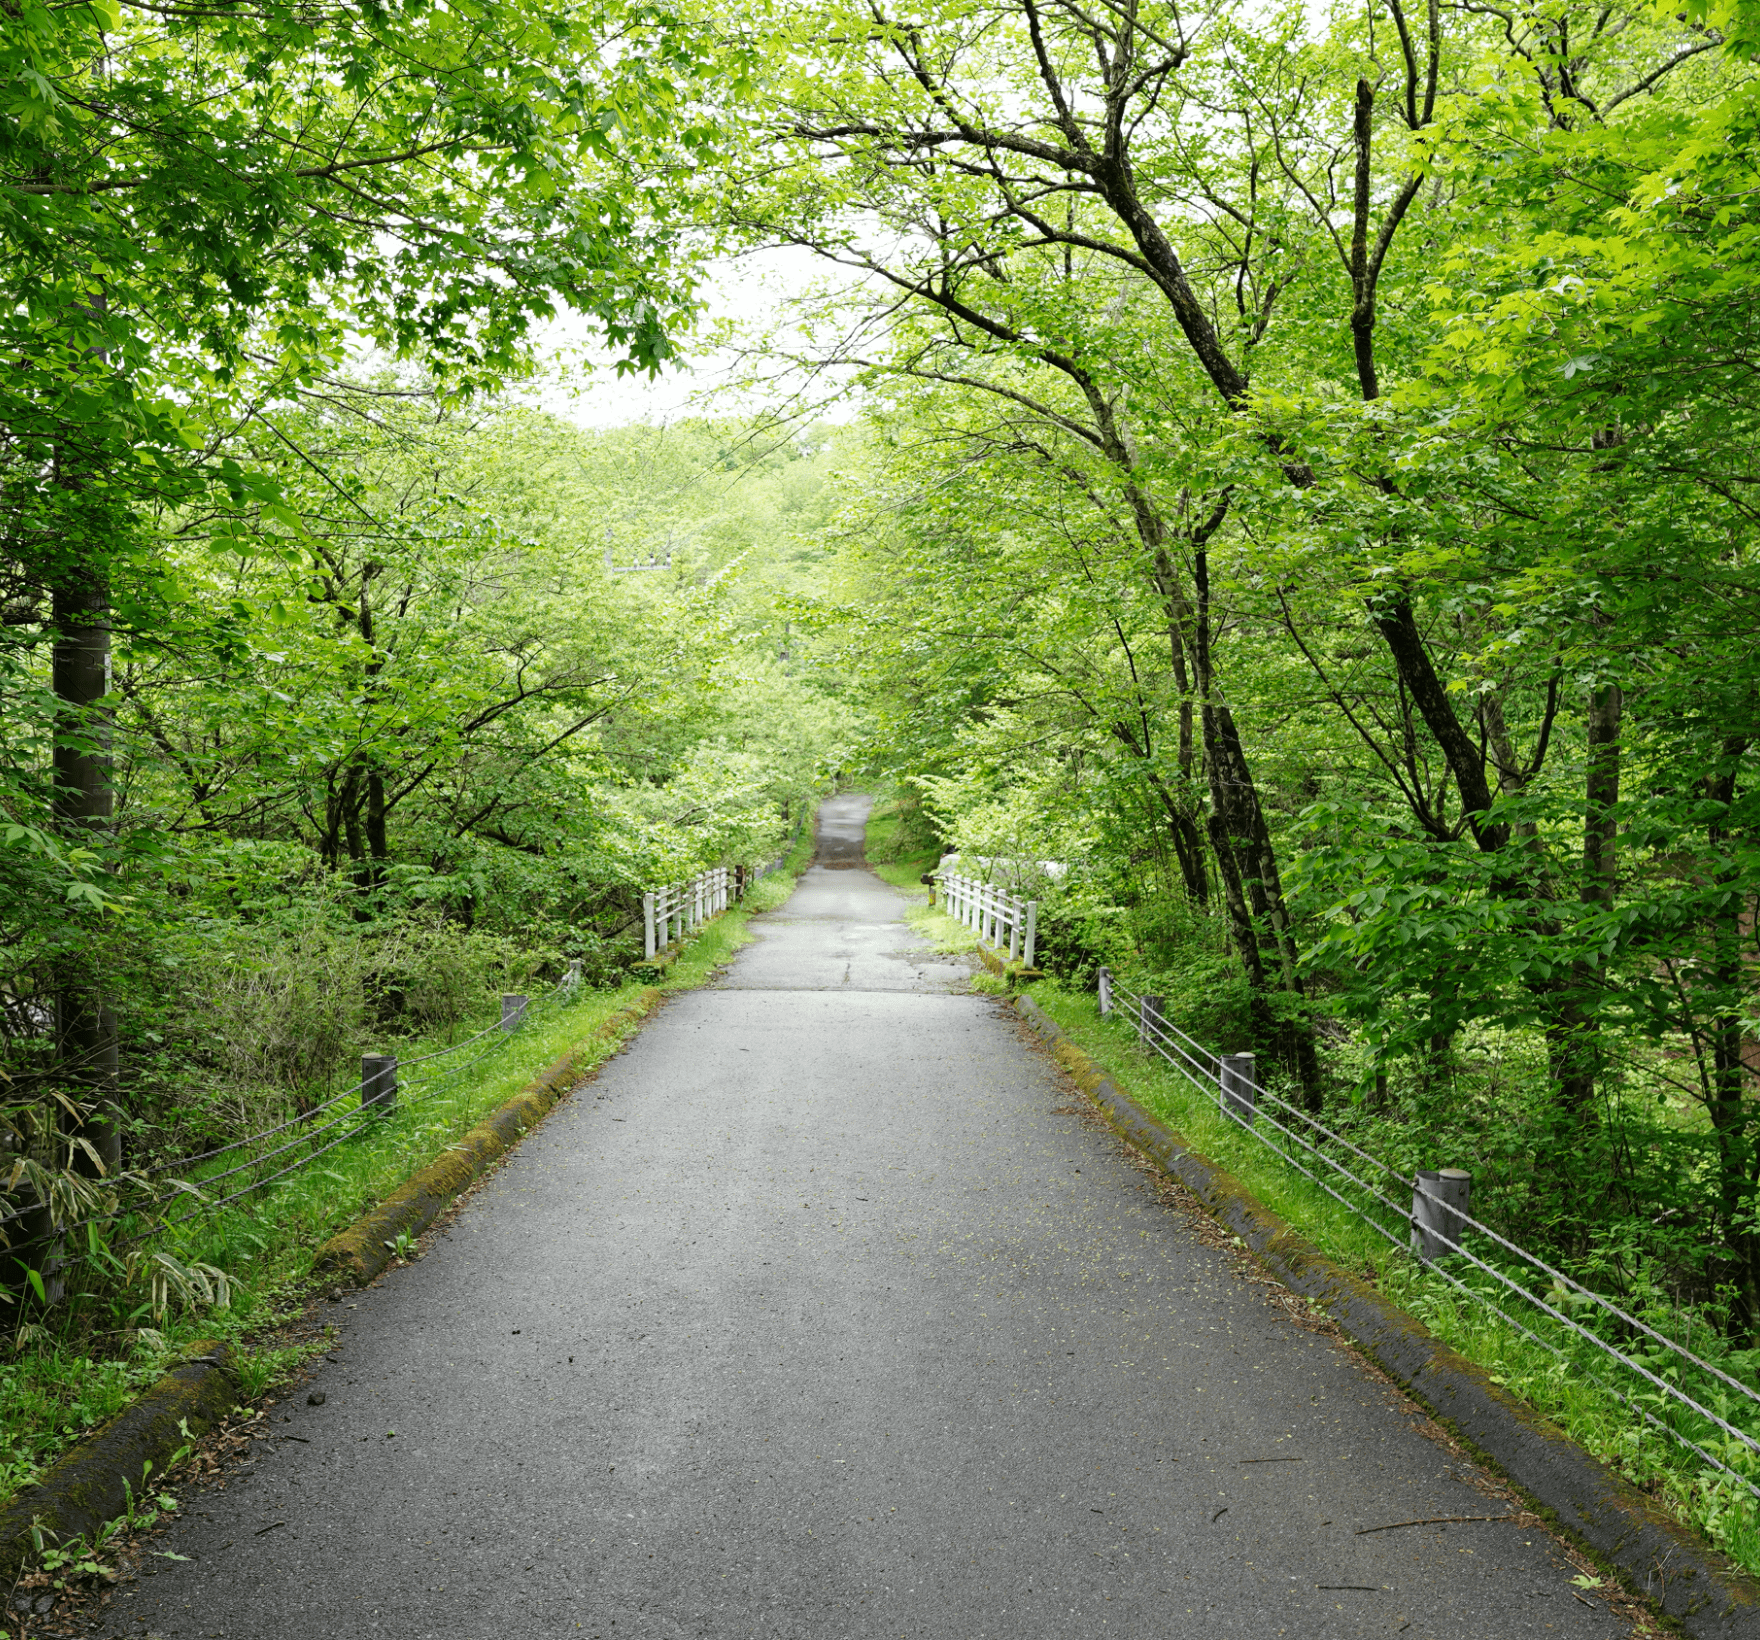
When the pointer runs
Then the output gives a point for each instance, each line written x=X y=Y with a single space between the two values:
x=671 y=912
x=990 y=912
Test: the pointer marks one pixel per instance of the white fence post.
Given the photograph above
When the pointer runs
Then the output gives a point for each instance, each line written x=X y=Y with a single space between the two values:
x=1032 y=930
x=648 y=927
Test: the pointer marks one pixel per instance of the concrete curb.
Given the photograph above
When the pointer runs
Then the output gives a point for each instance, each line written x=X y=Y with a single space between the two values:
x=1013 y=972
x=364 y=1249
x=85 y=1489
x=1705 y=1593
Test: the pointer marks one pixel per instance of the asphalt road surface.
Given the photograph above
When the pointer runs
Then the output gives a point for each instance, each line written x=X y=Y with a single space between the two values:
x=822 y=1315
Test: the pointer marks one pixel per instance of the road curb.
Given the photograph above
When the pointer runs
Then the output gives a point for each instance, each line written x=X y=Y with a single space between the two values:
x=88 y=1486
x=364 y=1249
x=1706 y=1594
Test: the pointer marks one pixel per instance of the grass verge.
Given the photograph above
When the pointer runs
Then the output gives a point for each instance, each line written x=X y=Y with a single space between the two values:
x=85 y=1366
x=771 y=891
x=943 y=933
x=1561 y=1389
x=898 y=850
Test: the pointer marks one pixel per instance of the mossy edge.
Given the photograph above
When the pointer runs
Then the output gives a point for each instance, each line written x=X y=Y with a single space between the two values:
x=89 y=1485
x=365 y=1248
x=1705 y=1594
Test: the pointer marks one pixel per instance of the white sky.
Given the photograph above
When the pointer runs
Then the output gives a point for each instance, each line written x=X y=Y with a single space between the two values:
x=751 y=293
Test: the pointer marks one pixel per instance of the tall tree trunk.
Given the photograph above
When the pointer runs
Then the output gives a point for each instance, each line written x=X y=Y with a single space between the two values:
x=1733 y=1122
x=370 y=873
x=1573 y=1040
x=1240 y=919
x=84 y=804
x=1735 y=1117
x=378 y=850
x=1238 y=815
x=1188 y=839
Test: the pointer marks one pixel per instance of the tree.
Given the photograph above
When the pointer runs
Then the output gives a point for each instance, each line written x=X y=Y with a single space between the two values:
x=204 y=204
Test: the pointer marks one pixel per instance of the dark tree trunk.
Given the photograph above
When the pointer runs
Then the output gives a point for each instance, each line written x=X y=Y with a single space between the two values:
x=377 y=849
x=1238 y=819
x=1573 y=1040
x=1735 y=1117
x=84 y=805
x=1240 y=919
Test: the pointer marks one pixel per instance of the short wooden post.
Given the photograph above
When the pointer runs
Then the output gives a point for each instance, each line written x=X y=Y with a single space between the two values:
x=378 y=1081
x=1439 y=1200
x=1103 y=982
x=1240 y=1088
x=513 y=1011
x=1150 y=1017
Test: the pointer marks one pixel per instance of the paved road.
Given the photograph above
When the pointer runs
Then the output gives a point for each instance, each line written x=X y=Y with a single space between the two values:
x=819 y=1314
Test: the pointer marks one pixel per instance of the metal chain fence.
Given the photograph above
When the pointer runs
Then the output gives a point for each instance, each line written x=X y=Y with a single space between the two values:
x=1435 y=1226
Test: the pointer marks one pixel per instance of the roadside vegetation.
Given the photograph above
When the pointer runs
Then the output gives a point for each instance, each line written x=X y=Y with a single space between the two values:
x=901 y=846
x=1303 y=537
x=1571 y=1391
x=258 y=1251
x=1275 y=485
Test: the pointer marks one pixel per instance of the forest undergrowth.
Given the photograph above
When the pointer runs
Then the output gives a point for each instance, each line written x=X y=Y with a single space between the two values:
x=84 y=1362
